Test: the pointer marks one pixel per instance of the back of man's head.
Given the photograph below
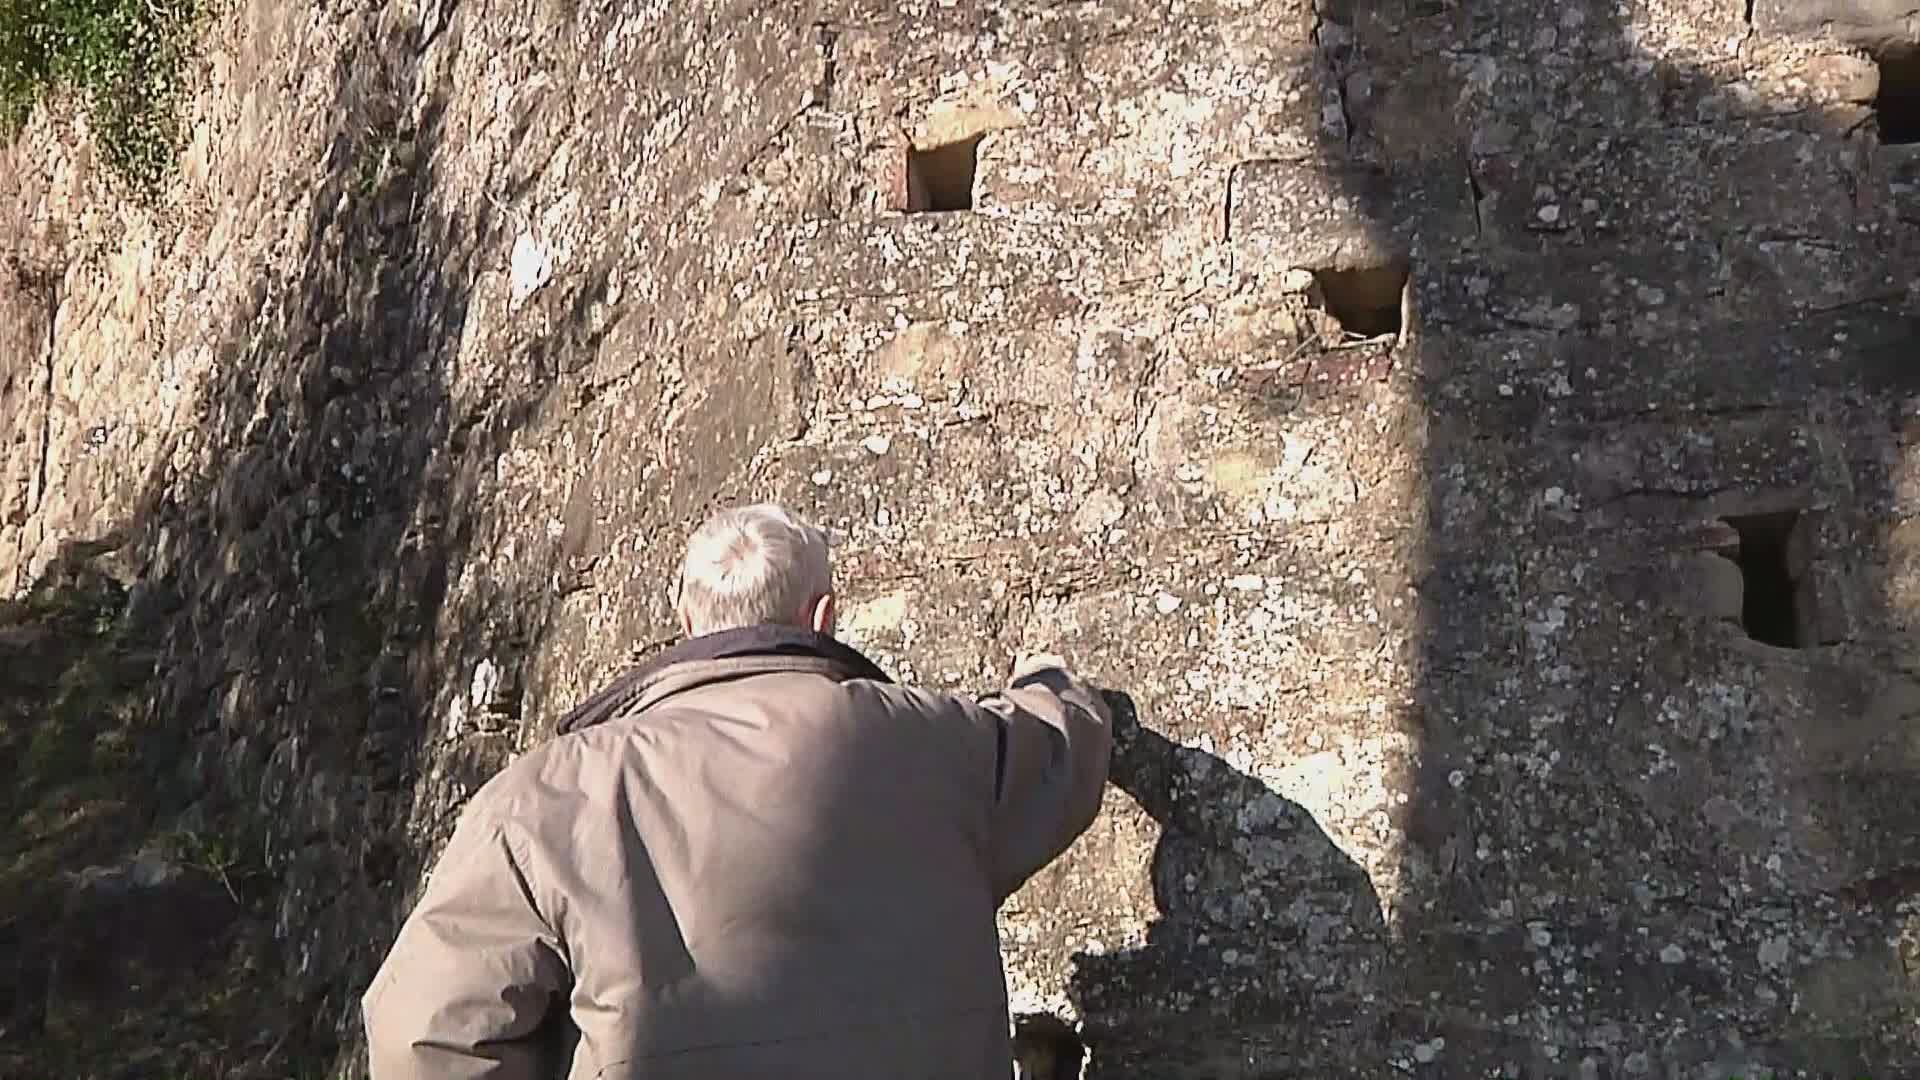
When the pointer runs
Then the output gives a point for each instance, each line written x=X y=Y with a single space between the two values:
x=753 y=565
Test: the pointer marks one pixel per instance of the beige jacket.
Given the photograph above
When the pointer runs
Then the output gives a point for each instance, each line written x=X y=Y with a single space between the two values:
x=773 y=863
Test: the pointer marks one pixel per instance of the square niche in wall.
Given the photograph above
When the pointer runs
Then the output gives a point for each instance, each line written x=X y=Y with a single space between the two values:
x=1896 y=108
x=1777 y=605
x=1366 y=301
x=940 y=178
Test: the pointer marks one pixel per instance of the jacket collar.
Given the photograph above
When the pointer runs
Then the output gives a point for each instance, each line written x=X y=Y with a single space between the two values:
x=727 y=654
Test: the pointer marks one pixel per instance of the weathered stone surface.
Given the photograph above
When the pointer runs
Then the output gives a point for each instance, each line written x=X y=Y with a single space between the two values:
x=26 y=301
x=1455 y=758
x=1866 y=22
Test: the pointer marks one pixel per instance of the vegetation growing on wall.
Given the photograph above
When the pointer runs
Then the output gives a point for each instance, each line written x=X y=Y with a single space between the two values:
x=122 y=61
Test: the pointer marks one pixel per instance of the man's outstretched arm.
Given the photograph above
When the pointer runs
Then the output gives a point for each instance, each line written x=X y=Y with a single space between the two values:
x=473 y=974
x=1055 y=741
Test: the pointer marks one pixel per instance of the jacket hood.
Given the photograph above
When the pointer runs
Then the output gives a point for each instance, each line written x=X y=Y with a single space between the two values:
x=725 y=654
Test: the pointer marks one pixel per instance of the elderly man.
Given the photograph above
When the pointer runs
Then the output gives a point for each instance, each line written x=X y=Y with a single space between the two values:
x=756 y=856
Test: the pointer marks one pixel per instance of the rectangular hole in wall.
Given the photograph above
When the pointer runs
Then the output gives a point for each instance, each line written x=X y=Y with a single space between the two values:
x=1365 y=301
x=940 y=178
x=1771 y=601
x=1046 y=1048
x=1897 y=106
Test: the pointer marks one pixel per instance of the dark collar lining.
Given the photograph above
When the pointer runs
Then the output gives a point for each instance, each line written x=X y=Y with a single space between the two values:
x=751 y=641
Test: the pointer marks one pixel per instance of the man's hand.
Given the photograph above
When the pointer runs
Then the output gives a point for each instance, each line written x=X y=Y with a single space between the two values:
x=1053 y=744
x=1030 y=663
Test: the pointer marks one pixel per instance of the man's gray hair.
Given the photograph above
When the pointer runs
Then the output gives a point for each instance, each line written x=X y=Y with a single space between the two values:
x=752 y=565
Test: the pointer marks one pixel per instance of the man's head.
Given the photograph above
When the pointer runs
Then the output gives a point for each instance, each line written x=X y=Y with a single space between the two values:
x=754 y=565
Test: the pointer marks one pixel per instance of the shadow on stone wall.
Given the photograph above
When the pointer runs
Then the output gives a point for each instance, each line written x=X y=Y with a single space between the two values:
x=287 y=593
x=1644 y=308
x=1259 y=913
x=1634 y=851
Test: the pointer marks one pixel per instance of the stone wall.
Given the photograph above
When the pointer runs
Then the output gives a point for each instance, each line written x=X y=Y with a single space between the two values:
x=1459 y=755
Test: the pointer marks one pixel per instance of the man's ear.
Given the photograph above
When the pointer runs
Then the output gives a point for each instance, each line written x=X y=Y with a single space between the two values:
x=820 y=616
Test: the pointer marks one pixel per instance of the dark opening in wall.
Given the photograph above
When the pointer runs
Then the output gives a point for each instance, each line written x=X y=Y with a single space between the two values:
x=1045 y=1047
x=1365 y=301
x=1897 y=108
x=1771 y=603
x=941 y=177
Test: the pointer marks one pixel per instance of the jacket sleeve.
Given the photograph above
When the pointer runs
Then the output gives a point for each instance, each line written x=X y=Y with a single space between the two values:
x=1054 y=740
x=472 y=976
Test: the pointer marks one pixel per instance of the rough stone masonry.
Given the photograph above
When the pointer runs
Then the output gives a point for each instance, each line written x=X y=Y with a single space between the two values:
x=1483 y=436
